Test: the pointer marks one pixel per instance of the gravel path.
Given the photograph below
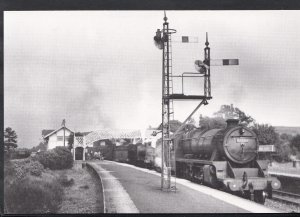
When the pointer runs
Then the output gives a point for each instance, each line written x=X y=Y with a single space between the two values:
x=83 y=195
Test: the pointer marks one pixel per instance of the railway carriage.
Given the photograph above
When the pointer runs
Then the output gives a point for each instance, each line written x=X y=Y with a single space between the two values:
x=141 y=155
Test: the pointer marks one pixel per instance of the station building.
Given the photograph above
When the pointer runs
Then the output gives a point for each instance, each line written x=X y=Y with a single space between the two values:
x=98 y=140
x=59 y=137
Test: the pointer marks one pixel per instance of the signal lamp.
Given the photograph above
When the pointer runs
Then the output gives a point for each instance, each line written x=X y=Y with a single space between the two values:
x=158 y=33
x=200 y=66
x=158 y=41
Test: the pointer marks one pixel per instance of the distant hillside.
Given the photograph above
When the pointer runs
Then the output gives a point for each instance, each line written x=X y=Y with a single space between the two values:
x=288 y=130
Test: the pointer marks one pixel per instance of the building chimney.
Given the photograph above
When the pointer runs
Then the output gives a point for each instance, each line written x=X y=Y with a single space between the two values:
x=232 y=122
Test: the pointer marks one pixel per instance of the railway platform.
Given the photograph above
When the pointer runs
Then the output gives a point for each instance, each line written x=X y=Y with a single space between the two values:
x=130 y=189
x=285 y=174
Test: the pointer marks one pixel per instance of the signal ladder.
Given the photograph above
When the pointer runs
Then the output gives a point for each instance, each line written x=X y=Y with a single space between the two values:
x=168 y=113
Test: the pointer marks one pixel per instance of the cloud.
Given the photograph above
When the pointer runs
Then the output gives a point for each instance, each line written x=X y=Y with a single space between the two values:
x=100 y=68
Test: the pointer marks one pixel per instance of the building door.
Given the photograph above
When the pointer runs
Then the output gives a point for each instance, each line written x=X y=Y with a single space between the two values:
x=79 y=153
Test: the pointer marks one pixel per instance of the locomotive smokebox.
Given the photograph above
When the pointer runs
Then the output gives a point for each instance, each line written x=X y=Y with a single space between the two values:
x=232 y=122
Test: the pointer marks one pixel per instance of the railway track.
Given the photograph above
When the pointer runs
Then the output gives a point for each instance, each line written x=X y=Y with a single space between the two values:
x=286 y=197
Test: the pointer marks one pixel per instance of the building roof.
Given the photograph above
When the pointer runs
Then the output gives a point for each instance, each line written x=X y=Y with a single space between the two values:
x=54 y=131
x=85 y=133
x=112 y=134
x=46 y=132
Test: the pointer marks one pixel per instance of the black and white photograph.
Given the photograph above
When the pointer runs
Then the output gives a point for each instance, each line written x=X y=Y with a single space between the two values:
x=151 y=111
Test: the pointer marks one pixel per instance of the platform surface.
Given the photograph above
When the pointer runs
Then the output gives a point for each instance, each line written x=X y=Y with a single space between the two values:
x=143 y=189
x=285 y=174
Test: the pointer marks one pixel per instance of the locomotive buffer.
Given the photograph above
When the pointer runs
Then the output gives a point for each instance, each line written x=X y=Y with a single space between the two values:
x=162 y=40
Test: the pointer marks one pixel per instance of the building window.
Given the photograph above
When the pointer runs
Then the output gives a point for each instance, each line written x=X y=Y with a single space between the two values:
x=60 y=138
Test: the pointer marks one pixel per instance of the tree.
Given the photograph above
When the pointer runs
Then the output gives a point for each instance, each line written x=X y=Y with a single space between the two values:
x=191 y=121
x=266 y=134
x=284 y=151
x=219 y=118
x=228 y=111
x=295 y=144
x=207 y=123
x=286 y=137
x=10 y=139
x=42 y=146
x=174 y=125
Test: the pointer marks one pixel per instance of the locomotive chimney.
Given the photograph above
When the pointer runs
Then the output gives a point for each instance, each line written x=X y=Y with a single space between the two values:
x=232 y=122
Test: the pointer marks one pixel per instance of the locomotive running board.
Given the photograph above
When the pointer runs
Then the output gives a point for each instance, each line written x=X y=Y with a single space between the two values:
x=206 y=162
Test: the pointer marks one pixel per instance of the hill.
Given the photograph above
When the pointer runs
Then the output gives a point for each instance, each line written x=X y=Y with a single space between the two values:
x=288 y=130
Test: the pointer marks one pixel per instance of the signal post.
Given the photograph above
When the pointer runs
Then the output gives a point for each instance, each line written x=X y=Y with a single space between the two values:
x=162 y=40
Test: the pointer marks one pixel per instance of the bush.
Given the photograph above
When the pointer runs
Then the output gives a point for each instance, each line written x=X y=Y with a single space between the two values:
x=36 y=168
x=57 y=159
x=21 y=168
x=33 y=195
x=64 y=181
x=20 y=153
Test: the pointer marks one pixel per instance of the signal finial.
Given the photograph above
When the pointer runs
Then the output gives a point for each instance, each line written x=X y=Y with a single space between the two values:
x=165 y=17
x=206 y=43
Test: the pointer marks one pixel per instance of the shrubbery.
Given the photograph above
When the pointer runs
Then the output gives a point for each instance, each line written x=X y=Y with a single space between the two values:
x=23 y=167
x=20 y=153
x=29 y=188
x=64 y=181
x=33 y=195
x=56 y=159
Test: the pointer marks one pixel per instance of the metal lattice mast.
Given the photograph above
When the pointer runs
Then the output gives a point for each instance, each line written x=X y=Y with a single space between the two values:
x=162 y=40
x=167 y=105
x=207 y=89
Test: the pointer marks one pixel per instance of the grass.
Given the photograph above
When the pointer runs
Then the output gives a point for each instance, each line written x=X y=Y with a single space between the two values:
x=82 y=196
x=72 y=190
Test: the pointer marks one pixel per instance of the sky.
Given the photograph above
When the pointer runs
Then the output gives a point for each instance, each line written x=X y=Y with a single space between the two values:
x=101 y=69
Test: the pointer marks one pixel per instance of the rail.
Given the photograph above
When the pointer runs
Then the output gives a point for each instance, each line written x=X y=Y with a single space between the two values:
x=286 y=197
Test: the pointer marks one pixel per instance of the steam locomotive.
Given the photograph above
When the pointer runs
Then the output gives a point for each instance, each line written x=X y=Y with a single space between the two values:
x=224 y=159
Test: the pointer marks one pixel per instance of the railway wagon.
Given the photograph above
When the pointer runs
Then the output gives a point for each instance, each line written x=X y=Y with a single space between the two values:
x=105 y=147
x=121 y=153
x=141 y=155
x=222 y=158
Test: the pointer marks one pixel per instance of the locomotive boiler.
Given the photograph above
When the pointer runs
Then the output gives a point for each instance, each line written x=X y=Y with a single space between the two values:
x=223 y=158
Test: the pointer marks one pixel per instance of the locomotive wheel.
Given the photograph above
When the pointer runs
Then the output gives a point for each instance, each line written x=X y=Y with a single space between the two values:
x=259 y=197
